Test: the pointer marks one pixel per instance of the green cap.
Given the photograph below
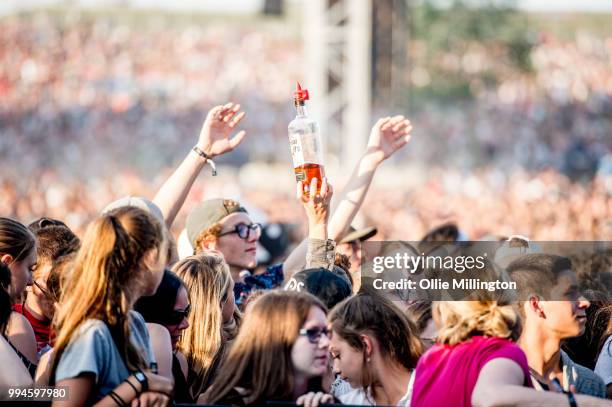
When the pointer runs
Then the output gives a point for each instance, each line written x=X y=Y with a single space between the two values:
x=207 y=214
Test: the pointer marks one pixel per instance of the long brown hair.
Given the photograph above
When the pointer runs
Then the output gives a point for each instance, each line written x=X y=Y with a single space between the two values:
x=375 y=315
x=15 y=239
x=107 y=274
x=208 y=281
x=260 y=358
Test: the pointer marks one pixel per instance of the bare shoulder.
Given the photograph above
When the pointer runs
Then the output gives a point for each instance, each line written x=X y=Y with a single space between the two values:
x=21 y=335
x=13 y=373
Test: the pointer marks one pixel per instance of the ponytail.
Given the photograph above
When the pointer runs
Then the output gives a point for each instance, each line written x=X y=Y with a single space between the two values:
x=106 y=277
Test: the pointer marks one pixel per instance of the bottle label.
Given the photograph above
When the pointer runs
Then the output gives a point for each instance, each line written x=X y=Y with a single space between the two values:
x=297 y=152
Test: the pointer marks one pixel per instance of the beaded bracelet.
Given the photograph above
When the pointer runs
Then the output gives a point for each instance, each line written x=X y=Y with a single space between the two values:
x=208 y=159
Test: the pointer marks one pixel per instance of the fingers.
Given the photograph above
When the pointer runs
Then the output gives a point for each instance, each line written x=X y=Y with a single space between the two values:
x=380 y=122
x=327 y=191
x=224 y=112
x=229 y=112
x=299 y=193
x=312 y=192
x=401 y=125
x=324 y=189
x=234 y=122
x=396 y=124
x=237 y=139
x=316 y=400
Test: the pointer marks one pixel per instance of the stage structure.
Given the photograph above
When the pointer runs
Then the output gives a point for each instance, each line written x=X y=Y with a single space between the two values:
x=356 y=66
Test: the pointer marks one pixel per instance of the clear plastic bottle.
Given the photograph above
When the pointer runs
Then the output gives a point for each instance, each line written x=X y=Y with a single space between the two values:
x=305 y=143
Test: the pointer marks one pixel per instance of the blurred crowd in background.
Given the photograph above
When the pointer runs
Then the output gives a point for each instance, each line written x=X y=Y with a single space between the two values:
x=95 y=109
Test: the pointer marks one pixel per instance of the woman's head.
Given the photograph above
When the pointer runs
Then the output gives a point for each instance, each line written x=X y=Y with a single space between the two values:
x=121 y=258
x=169 y=306
x=54 y=240
x=368 y=327
x=18 y=252
x=460 y=320
x=211 y=291
x=124 y=249
x=225 y=226
x=283 y=338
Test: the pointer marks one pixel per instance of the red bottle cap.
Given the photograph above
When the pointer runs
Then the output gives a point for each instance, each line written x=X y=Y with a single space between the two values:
x=300 y=94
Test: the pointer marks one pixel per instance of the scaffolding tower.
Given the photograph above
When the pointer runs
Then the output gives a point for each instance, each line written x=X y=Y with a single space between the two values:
x=356 y=58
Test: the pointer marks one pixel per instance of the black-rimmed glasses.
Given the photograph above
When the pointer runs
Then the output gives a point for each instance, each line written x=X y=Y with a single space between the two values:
x=243 y=230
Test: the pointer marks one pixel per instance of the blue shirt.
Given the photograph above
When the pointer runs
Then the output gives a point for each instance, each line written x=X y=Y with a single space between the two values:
x=92 y=350
x=271 y=278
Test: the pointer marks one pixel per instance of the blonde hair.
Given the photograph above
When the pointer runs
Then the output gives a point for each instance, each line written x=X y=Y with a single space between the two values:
x=260 y=358
x=107 y=271
x=460 y=320
x=208 y=281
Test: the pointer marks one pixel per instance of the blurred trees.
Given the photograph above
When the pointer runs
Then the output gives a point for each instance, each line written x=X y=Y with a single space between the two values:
x=460 y=48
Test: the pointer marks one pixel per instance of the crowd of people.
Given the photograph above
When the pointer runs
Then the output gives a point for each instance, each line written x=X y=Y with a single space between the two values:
x=84 y=83
x=536 y=136
x=159 y=297
x=116 y=316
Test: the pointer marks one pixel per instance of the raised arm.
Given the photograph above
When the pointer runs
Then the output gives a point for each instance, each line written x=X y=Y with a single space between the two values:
x=320 y=251
x=388 y=135
x=214 y=140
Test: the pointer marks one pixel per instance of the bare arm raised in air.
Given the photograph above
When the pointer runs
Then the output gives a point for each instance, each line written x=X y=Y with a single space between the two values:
x=214 y=140
x=388 y=135
x=321 y=250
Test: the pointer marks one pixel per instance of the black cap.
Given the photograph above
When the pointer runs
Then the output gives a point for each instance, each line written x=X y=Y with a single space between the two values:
x=327 y=286
x=362 y=234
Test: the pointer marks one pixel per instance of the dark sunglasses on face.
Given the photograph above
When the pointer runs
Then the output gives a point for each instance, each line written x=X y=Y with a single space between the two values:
x=314 y=334
x=176 y=316
x=243 y=230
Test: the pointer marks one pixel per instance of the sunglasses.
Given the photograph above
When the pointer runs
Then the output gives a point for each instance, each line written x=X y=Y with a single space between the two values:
x=314 y=334
x=243 y=230
x=176 y=316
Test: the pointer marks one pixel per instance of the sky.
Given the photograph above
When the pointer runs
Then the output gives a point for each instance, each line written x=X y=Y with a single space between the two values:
x=249 y=6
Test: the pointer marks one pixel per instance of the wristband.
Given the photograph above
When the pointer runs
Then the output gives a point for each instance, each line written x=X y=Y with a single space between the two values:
x=133 y=387
x=117 y=399
x=571 y=399
x=206 y=157
x=142 y=379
